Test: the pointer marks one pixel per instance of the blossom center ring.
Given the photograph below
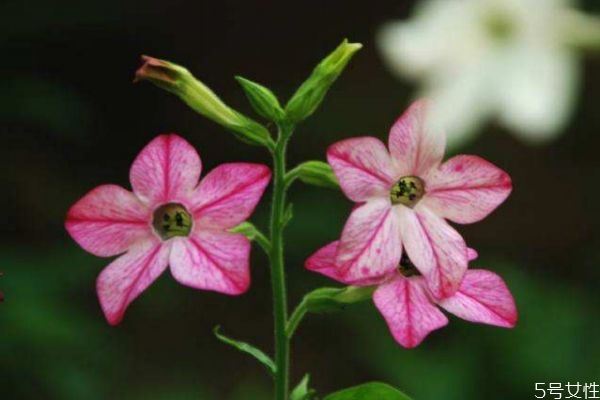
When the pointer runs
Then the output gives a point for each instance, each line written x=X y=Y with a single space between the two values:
x=170 y=220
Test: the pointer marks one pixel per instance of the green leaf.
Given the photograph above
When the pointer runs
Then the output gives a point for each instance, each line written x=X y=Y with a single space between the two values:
x=252 y=233
x=317 y=173
x=247 y=348
x=311 y=93
x=327 y=300
x=263 y=101
x=288 y=214
x=302 y=390
x=368 y=391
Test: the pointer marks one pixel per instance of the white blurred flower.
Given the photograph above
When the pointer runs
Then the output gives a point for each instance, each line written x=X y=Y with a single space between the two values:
x=513 y=60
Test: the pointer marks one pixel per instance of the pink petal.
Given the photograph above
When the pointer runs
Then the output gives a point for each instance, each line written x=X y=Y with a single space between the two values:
x=166 y=170
x=228 y=194
x=212 y=260
x=129 y=275
x=362 y=166
x=407 y=309
x=472 y=254
x=323 y=262
x=370 y=245
x=435 y=248
x=108 y=220
x=415 y=145
x=483 y=297
x=466 y=189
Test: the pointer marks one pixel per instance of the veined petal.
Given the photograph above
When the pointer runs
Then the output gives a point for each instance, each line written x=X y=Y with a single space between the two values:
x=370 y=245
x=435 y=248
x=228 y=194
x=363 y=167
x=483 y=297
x=415 y=144
x=472 y=254
x=323 y=262
x=466 y=189
x=167 y=169
x=407 y=309
x=108 y=220
x=129 y=275
x=212 y=260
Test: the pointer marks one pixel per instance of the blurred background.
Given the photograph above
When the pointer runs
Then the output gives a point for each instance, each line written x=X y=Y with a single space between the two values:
x=71 y=119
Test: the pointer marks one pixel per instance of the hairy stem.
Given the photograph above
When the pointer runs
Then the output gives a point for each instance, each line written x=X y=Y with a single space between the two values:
x=282 y=345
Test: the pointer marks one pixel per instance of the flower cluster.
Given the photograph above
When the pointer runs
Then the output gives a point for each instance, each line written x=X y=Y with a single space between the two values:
x=397 y=237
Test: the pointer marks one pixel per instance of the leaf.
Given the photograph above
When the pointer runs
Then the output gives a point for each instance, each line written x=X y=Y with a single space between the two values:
x=288 y=214
x=368 y=391
x=247 y=348
x=317 y=173
x=302 y=391
x=263 y=101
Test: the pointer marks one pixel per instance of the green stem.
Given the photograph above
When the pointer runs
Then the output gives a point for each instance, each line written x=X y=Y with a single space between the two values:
x=295 y=319
x=282 y=345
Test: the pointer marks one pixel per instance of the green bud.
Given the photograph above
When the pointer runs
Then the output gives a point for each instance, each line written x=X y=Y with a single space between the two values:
x=310 y=94
x=317 y=173
x=179 y=81
x=263 y=101
x=333 y=299
x=579 y=30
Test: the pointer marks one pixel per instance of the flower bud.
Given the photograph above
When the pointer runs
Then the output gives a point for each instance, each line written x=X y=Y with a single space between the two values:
x=310 y=94
x=317 y=173
x=179 y=81
x=263 y=101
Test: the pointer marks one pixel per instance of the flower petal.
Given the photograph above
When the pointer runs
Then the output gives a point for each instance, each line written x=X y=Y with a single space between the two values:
x=466 y=189
x=323 y=262
x=435 y=248
x=415 y=144
x=472 y=254
x=539 y=91
x=363 y=167
x=483 y=297
x=108 y=220
x=228 y=194
x=408 y=311
x=370 y=245
x=129 y=275
x=167 y=169
x=212 y=260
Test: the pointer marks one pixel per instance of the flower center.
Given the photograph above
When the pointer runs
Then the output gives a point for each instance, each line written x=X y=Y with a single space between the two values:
x=499 y=25
x=172 y=220
x=408 y=191
x=406 y=267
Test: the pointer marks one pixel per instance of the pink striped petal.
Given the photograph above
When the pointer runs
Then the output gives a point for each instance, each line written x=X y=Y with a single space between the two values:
x=362 y=166
x=466 y=189
x=166 y=170
x=228 y=194
x=415 y=145
x=129 y=275
x=370 y=245
x=323 y=262
x=483 y=297
x=108 y=220
x=407 y=309
x=472 y=254
x=435 y=248
x=212 y=260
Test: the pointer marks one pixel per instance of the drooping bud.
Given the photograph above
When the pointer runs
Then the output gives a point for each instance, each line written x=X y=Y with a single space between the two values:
x=179 y=81
x=310 y=94
x=263 y=100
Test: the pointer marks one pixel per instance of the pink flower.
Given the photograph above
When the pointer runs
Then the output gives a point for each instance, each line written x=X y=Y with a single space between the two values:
x=410 y=310
x=169 y=219
x=404 y=197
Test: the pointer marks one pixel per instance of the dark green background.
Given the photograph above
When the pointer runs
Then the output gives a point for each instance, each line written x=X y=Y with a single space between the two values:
x=71 y=119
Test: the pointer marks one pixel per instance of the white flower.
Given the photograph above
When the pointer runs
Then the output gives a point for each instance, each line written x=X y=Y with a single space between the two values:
x=511 y=60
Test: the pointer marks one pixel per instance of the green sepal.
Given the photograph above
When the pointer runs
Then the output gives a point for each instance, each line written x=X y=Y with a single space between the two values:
x=249 y=349
x=368 y=391
x=317 y=173
x=311 y=93
x=302 y=391
x=327 y=299
x=262 y=99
